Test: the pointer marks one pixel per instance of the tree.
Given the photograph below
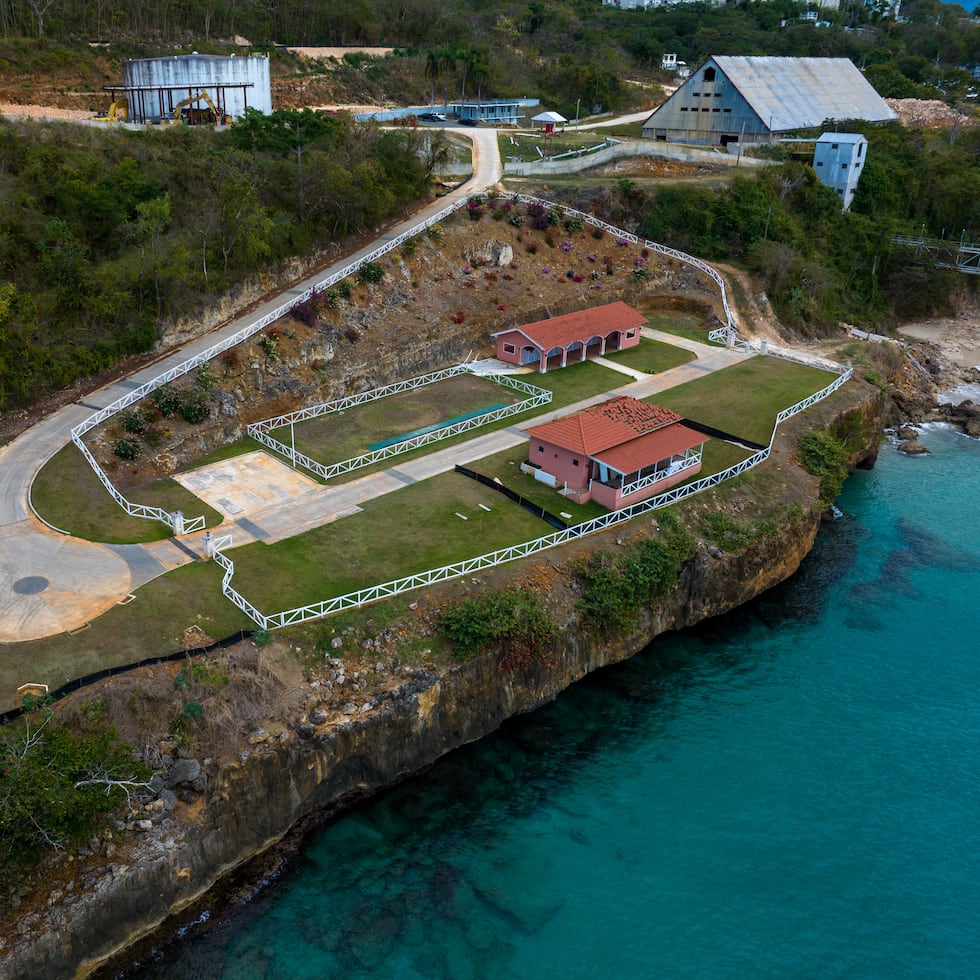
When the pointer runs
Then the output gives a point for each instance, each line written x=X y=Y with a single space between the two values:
x=39 y=8
x=57 y=785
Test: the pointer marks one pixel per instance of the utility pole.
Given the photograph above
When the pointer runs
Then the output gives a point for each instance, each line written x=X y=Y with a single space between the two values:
x=578 y=102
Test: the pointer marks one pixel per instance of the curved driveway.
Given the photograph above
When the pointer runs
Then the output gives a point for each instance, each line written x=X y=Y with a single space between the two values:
x=50 y=582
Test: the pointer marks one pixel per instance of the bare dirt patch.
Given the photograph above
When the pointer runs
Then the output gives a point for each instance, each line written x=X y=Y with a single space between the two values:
x=958 y=337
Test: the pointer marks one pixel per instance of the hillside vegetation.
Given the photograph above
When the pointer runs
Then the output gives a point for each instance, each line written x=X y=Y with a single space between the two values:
x=566 y=52
x=818 y=265
x=103 y=234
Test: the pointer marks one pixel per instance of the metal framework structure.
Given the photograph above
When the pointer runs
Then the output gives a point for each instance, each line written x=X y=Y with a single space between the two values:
x=175 y=521
x=374 y=593
x=959 y=256
x=259 y=431
x=148 y=102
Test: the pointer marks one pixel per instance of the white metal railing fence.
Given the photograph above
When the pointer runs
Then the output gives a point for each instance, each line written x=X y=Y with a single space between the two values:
x=628 y=489
x=329 y=472
x=191 y=363
x=260 y=430
x=361 y=597
x=351 y=401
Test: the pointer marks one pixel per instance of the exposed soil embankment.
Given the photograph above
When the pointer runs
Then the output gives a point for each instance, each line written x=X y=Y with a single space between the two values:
x=394 y=721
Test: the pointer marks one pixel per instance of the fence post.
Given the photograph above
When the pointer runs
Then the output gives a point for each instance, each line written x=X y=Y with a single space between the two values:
x=178 y=523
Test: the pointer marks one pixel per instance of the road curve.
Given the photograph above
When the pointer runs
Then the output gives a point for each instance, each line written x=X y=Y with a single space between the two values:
x=51 y=582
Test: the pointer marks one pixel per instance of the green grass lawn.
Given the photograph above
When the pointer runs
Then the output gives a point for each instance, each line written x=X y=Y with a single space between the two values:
x=506 y=467
x=408 y=531
x=652 y=356
x=344 y=435
x=151 y=625
x=559 y=142
x=745 y=399
x=67 y=494
x=681 y=324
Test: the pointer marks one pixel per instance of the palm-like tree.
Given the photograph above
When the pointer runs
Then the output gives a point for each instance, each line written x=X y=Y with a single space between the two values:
x=433 y=69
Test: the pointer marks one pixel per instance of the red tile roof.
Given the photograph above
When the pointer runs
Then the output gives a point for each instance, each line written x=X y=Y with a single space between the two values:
x=560 y=331
x=651 y=448
x=611 y=423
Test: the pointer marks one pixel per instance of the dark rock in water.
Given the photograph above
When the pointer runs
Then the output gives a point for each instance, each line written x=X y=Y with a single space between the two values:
x=874 y=593
x=868 y=623
x=907 y=433
x=912 y=447
x=896 y=570
x=930 y=549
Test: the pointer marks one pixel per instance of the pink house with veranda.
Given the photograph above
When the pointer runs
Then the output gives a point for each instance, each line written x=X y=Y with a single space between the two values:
x=616 y=453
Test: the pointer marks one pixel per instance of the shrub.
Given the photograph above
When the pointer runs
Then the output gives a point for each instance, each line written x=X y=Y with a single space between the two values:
x=573 y=223
x=136 y=423
x=231 y=361
x=515 y=219
x=155 y=434
x=168 y=400
x=725 y=531
x=616 y=587
x=824 y=455
x=195 y=408
x=269 y=342
x=597 y=233
x=371 y=272
x=515 y=619
x=305 y=313
x=59 y=784
x=128 y=449
x=436 y=233
x=204 y=380
x=409 y=247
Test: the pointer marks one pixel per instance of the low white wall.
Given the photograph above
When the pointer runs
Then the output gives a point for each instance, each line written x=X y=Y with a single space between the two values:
x=632 y=148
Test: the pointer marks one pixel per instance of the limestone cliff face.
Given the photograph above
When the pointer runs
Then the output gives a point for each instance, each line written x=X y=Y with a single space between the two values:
x=253 y=803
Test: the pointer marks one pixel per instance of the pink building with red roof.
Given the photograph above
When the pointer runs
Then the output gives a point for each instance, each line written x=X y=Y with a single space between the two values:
x=571 y=338
x=617 y=453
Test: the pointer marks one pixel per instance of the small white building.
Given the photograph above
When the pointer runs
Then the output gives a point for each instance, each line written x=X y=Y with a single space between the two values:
x=548 y=121
x=838 y=160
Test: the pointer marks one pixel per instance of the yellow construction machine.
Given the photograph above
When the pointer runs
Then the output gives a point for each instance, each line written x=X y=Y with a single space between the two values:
x=187 y=111
x=117 y=112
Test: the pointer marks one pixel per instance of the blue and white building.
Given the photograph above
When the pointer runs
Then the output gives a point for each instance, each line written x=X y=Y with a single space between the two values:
x=838 y=160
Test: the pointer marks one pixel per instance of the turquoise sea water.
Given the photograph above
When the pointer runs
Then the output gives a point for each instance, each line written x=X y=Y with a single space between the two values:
x=792 y=790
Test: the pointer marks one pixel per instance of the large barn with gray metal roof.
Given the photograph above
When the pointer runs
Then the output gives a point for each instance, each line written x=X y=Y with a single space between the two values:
x=747 y=100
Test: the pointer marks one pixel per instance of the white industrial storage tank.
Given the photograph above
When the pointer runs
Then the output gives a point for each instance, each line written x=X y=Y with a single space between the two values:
x=154 y=87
